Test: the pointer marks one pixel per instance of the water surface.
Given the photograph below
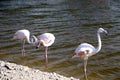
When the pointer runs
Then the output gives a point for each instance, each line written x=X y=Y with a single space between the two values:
x=72 y=22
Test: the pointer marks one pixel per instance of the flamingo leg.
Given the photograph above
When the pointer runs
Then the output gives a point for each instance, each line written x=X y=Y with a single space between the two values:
x=46 y=58
x=85 y=65
x=23 y=50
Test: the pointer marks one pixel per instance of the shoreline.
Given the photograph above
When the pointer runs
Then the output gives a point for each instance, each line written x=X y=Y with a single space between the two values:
x=12 y=71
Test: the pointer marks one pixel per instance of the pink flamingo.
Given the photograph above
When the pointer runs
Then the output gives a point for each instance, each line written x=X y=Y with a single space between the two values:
x=45 y=39
x=86 y=50
x=23 y=35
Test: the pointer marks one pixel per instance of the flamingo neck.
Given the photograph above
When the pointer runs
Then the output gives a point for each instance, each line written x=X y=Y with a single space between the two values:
x=31 y=41
x=28 y=40
x=34 y=39
x=43 y=42
x=99 y=43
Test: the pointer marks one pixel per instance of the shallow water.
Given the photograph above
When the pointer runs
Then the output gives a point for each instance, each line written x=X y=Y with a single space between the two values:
x=72 y=22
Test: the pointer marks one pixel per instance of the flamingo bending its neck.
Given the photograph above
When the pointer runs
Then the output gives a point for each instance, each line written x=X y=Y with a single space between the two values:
x=86 y=50
x=45 y=39
x=23 y=35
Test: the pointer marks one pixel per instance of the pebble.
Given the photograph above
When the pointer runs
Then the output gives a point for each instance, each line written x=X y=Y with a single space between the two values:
x=11 y=71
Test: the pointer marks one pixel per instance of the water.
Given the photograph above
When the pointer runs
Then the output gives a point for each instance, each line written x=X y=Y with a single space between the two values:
x=72 y=22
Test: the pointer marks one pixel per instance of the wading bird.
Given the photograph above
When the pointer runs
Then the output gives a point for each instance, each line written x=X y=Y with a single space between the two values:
x=86 y=50
x=23 y=35
x=45 y=39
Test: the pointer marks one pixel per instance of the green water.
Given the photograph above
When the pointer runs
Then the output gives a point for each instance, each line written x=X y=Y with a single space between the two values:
x=72 y=22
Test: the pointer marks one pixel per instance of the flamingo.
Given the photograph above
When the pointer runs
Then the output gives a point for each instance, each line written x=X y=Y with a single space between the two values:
x=23 y=35
x=45 y=39
x=86 y=50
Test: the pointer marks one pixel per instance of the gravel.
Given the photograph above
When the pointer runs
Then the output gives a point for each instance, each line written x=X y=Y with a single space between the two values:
x=11 y=71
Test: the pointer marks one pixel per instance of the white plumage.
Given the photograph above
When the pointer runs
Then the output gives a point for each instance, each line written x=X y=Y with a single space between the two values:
x=23 y=35
x=86 y=50
x=45 y=39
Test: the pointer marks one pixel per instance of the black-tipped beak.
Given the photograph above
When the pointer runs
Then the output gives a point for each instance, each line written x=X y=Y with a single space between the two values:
x=37 y=47
x=106 y=32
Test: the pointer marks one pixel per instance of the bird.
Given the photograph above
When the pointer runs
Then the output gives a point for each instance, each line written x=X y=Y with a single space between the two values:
x=46 y=40
x=23 y=35
x=85 y=50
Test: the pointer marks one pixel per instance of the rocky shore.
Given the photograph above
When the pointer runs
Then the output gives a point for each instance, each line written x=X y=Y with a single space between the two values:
x=11 y=71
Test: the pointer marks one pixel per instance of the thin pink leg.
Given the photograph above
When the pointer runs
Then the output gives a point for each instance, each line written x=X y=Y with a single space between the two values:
x=85 y=65
x=46 y=58
x=23 y=50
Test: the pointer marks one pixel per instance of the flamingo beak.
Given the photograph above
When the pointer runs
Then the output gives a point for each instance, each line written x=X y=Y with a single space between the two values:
x=38 y=45
x=75 y=56
x=106 y=32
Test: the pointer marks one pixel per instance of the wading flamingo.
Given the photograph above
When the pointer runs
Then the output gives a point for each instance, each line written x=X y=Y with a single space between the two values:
x=23 y=35
x=86 y=50
x=45 y=39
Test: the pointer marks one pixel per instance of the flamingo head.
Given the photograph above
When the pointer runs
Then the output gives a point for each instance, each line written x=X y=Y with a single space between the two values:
x=34 y=40
x=101 y=30
x=38 y=44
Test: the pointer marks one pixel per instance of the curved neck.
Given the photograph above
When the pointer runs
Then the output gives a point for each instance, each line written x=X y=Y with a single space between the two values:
x=99 y=43
x=32 y=41
x=28 y=39
x=43 y=42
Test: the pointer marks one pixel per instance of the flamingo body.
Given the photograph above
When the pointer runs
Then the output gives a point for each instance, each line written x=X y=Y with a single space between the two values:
x=45 y=39
x=86 y=50
x=21 y=34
